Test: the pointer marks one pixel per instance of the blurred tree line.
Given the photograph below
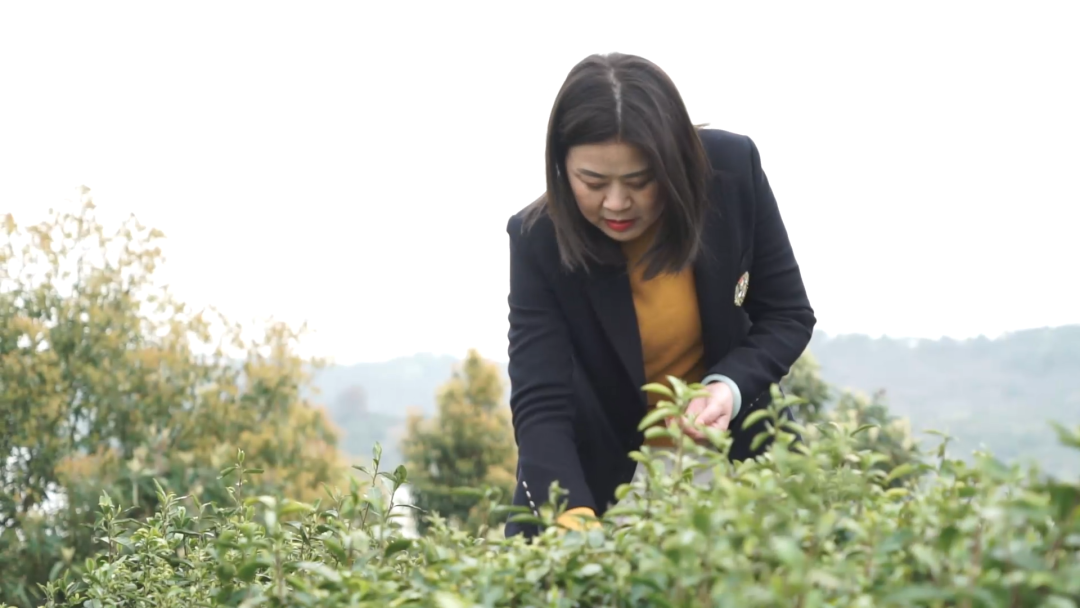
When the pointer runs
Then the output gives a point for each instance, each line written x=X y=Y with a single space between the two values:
x=109 y=384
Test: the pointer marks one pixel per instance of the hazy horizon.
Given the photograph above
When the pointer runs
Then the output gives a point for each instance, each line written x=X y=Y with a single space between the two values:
x=912 y=341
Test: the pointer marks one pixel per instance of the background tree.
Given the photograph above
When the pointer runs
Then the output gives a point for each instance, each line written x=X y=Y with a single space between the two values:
x=107 y=383
x=468 y=443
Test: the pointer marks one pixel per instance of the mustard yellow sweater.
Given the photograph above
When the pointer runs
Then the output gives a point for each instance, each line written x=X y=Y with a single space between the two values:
x=670 y=327
x=668 y=321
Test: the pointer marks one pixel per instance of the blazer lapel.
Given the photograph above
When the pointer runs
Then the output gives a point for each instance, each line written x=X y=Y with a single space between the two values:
x=611 y=298
x=714 y=278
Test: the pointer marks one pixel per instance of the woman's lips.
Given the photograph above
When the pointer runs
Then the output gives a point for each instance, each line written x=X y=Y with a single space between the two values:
x=620 y=225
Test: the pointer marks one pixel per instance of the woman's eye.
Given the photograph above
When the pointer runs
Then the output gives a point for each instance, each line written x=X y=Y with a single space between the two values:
x=637 y=185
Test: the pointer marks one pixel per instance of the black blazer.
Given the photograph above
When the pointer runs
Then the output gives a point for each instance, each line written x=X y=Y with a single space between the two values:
x=576 y=367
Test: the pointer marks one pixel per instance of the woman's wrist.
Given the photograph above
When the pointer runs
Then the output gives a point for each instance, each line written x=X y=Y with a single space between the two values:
x=736 y=401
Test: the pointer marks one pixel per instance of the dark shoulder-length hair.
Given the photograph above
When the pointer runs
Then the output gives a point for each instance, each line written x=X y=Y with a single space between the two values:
x=618 y=97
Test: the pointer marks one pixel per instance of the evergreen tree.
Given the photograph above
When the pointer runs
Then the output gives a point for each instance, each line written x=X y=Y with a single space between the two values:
x=468 y=443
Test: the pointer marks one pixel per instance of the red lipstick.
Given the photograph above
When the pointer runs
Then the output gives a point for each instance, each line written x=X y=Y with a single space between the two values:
x=620 y=225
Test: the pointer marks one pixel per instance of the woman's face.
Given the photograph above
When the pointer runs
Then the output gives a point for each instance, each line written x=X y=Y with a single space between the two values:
x=614 y=187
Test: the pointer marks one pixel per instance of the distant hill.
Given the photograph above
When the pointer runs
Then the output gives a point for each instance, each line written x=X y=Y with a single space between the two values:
x=1000 y=393
x=391 y=386
x=369 y=400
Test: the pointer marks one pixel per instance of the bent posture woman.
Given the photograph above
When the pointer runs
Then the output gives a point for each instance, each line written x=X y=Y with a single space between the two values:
x=657 y=250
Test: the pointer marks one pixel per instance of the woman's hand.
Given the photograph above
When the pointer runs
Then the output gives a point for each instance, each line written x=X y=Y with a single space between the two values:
x=713 y=411
x=579 y=518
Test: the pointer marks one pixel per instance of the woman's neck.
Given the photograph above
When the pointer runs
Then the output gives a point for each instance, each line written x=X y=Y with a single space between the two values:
x=634 y=249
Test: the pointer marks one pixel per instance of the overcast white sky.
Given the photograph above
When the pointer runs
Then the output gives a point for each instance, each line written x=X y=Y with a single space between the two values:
x=353 y=165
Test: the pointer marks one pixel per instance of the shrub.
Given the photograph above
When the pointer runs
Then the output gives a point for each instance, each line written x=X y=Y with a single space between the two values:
x=814 y=524
x=108 y=382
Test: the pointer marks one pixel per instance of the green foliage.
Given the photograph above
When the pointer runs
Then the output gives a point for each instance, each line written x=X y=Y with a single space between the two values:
x=108 y=384
x=886 y=434
x=463 y=457
x=804 y=380
x=816 y=524
x=818 y=403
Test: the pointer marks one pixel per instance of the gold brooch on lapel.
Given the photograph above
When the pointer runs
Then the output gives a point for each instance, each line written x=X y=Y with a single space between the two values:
x=741 y=287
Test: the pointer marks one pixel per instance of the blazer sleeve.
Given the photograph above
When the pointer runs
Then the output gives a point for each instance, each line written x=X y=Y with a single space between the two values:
x=541 y=387
x=781 y=317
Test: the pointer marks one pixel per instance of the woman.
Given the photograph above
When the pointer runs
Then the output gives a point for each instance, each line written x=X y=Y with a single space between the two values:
x=657 y=250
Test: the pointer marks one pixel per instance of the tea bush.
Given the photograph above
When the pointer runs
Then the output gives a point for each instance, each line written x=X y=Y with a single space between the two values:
x=808 y=524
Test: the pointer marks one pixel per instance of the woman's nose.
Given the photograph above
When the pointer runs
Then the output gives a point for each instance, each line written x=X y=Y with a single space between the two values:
x=617 y=199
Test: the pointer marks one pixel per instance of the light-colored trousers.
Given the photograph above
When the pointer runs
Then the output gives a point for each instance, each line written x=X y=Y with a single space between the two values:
x=666 y=456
